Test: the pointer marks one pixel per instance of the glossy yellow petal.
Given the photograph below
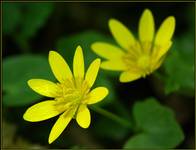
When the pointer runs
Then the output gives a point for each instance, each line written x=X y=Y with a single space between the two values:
x=146 y=26
x=59 y=126
x=44 y=87
x=59 y=67
x=97 y=95
x=92 y=72
x=159 y=51
x=165 y=31
x=41 y=111
x=107 y=51
x=114 y=65
x=128 y=76
x=158 y=63
x=78 y=63
x=83 y=116
x=121 y=34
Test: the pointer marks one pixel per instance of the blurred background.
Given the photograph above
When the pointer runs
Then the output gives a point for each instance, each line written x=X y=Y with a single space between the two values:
x=31 y=30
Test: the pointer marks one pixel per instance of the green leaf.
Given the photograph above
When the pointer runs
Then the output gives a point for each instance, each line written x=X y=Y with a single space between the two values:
x=107 y=129
x=66 y=46
x=25 y=18
x=11 y=16
x=17 y=70
x=157 y=127
x=34 y=18
x=22 y=20
x=179 y=67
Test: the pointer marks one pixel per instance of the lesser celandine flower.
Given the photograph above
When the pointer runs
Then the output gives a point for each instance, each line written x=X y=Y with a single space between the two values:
x=136 y=58
x=68 y=97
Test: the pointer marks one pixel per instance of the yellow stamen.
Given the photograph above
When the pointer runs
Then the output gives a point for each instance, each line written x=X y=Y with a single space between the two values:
x=73 y=93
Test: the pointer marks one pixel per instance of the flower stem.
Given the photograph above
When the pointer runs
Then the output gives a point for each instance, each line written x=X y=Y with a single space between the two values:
x=120 y=120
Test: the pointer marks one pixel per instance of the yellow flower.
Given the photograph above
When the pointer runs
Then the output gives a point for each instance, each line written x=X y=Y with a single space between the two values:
x=136 y=58
x=69 y=97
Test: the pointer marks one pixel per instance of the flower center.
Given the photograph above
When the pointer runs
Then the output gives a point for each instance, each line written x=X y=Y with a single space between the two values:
x=138 y=58
x=143 y=62
x=72 y=94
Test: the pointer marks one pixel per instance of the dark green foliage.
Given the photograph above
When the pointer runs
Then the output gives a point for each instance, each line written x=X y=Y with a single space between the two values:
x=179 y=67
x=157 y=127
x=17 y=70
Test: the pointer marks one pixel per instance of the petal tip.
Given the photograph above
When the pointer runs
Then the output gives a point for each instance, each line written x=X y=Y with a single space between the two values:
x=107 y=92
x=24 y=116
x=147 y=10
x=147 y=13
x=30 y=82
x=93 y=46
x=84 y=126
x=78 y=52
x=173 y=19
x=122 y=80
x=98 y=60
x=96 y=47
x=79 y=48
x=111 y=21
x=51 y=52
x=50 y=140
